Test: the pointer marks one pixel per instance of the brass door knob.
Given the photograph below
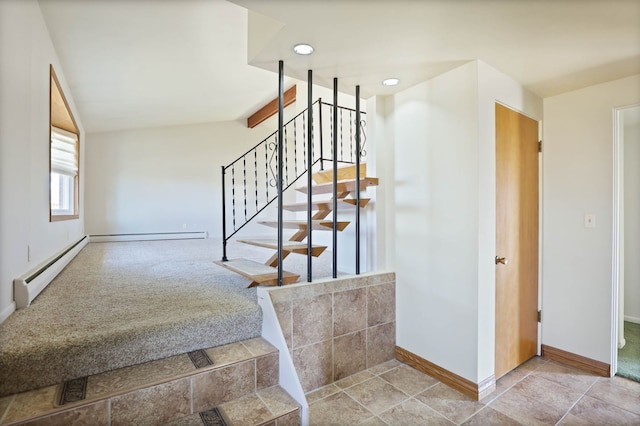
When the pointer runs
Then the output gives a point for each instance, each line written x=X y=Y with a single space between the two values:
x=502 y=260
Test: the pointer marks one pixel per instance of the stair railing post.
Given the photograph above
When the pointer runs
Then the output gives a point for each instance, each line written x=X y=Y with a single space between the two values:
x=335 y=178
x=357 y=180
x=321 y=140
x=309 y=173
x=280 y=164
x=224 y=221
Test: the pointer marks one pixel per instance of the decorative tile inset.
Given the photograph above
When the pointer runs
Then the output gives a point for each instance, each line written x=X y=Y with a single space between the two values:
x=212 y=418
x=200 y=358
x=73 y=390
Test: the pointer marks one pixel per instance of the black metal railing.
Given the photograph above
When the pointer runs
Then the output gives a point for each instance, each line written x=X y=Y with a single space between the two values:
x=250 y=183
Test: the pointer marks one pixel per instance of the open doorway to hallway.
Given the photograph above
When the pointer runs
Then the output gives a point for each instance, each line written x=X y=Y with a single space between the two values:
x=628 y=243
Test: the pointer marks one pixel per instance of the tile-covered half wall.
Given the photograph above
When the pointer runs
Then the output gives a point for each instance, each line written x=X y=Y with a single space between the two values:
x=336 y=328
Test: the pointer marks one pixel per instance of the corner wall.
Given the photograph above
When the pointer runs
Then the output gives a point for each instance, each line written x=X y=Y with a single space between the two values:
x=578 y=179
x=26 y=51
x=443 y=134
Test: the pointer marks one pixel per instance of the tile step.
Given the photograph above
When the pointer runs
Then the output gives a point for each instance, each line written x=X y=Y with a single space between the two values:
x=158 y=392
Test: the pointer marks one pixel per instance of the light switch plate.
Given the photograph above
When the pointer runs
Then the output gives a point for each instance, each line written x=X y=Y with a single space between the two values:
x=589 y=220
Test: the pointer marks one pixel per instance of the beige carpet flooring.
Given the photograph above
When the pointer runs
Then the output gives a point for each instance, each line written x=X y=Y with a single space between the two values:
x=120 y=304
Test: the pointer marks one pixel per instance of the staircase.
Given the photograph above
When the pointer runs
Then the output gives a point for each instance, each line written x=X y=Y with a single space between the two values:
x=235 y=384
x=267 y=273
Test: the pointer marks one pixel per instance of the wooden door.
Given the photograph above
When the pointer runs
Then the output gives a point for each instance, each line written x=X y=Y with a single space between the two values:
x=516 y=239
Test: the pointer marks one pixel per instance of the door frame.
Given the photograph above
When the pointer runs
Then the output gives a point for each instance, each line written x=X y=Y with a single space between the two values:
x=617 y=257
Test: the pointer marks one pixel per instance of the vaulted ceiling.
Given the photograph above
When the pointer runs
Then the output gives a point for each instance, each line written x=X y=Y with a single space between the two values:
x=143 y=63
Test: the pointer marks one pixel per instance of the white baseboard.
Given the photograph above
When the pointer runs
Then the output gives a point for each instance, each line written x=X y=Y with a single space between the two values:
x=7 y=311
x=103 y=238
x=28 y=286
x=634 y=320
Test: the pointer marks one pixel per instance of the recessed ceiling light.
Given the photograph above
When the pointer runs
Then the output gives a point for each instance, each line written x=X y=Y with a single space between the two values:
x=390 y=82
x=303 y=49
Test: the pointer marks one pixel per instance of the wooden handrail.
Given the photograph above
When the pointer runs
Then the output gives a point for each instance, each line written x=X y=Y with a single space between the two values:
x=271 y=108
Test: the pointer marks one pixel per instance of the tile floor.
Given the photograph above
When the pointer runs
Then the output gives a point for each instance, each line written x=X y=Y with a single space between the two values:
x=540 y=392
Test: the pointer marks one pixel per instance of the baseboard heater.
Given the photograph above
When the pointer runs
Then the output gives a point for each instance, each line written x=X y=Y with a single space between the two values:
x=27 y=287
x=193 y=235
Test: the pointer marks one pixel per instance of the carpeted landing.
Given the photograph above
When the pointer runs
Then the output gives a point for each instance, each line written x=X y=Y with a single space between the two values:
x=629 y=356
x=121 y=304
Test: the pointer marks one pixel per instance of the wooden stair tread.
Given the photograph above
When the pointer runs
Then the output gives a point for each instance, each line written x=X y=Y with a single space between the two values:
x=342 y=186
x=322 y=225
x=292 y=246
x=325 y=205
x=258 y=272
x=348 y=172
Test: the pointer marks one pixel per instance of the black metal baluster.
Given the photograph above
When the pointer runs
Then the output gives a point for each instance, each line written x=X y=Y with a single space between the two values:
x=286 y=155
x=351 y=135
x=331 y=132
x=341 y=137
x=255 y=174
x=357 y=181
x=321 y=132
x=244 y=183
x=335 y=178
x=224 y=220
x=309 y=166
x=295 y=148
x=266 y=169
x=233 y=195
x=280 y=120
x=304 y=135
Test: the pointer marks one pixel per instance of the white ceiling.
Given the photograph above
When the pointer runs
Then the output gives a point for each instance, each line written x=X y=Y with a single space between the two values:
x=143 y=63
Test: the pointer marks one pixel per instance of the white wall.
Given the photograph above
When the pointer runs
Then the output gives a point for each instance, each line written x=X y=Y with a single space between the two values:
x=157 y=180
x=632 y=214
x=26 y=51
x=578 y=179
x=443 y=134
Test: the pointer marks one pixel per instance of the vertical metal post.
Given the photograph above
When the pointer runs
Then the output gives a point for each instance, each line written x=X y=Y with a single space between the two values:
x=280 y=142
x=335 y=178
x=358 y=180
x=321 y=141
x=309 y=173
x=224 y=221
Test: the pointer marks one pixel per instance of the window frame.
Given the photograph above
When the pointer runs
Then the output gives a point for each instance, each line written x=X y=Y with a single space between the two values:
x=71 y=127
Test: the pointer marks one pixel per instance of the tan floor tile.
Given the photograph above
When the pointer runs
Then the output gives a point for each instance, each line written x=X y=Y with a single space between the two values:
x=373 y=421
x=137 y=376
x=599 y=412
x=248 y=410
x=291 y=419
x=314 y=365
x=384 y=367
x=489 y=416
x=215 y=387
x=278 y=401
x=96 y=414
x=339 y=410
x=32 y=403
x=533 y=363
x=413 y=412
x=259 y=347
x=619 y=396
x=354 y=379
x=4 y=404
x=623 y=382
x=267 y=370
x=449 y=402
x=229 y=354
x=321 y=393
x=505 y=383
x=159 y=404
x=577 y=380
x=192 y=420
x=526 y=410
x=548 y=392
x=376 y=395
x=349 y=354
x=409 y=380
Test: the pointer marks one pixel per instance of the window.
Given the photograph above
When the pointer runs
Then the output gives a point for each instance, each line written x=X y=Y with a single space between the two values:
x=64 y=157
